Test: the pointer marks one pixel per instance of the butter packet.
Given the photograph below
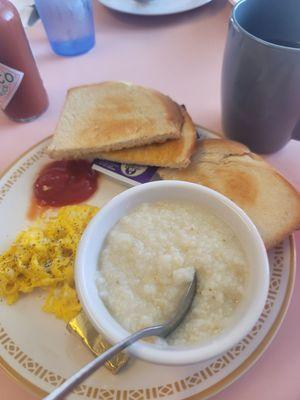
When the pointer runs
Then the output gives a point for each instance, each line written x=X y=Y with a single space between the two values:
x=133 y=175
x=95 y=342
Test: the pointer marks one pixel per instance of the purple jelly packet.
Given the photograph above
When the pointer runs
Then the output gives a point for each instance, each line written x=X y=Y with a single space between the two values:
x=133 y=175
x=129 y=174
x=203 y=133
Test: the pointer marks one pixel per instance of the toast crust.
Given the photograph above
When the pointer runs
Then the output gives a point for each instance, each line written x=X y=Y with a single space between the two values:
x=232 y=169
x=112 y=116
x=173 y=153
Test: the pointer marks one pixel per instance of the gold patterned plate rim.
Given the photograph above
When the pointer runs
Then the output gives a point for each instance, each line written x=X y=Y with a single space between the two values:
x=229 y=378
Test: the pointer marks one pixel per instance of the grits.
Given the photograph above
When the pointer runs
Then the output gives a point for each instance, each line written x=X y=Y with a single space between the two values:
x=150 y=256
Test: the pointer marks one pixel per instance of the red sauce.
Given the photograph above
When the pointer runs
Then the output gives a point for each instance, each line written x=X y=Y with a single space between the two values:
x=61 y=183
x=35 y=210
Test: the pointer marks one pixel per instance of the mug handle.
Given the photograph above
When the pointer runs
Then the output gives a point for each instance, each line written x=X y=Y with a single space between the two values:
x=296 y=131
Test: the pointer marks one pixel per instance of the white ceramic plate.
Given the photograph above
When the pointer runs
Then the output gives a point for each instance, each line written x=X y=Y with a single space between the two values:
x=38 y=351
x=153 y=7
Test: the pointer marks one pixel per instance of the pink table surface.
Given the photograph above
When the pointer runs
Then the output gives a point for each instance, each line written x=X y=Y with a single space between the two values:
x=180 y=55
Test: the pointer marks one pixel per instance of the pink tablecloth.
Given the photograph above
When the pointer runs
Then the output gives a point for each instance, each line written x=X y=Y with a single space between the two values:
x=180 y=55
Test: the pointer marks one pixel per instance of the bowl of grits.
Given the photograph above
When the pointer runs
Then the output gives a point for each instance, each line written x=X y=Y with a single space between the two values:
x=139 y=253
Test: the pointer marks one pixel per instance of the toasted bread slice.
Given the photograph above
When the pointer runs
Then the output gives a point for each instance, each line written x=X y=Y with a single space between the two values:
x=174 y=153
x=231 y=169
x=112 y=116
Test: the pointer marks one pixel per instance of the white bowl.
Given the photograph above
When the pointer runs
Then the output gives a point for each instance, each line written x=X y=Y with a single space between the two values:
x=93 y=239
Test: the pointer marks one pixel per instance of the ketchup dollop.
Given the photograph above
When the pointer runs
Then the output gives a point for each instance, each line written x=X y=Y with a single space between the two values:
x=62 y=183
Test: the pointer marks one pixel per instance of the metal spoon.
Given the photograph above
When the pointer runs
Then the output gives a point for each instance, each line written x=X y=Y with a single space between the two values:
x=162 y=330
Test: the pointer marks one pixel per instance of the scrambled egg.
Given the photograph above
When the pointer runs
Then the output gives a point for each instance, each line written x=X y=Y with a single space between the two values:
x=42 y=256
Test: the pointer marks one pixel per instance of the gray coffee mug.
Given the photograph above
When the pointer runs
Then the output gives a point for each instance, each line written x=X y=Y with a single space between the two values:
x=261 y=74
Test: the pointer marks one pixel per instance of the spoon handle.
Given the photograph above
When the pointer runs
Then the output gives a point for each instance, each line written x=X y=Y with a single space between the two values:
x=64 y=389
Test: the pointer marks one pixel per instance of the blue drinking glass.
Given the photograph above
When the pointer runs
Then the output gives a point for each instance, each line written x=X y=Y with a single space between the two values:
x=69 y=25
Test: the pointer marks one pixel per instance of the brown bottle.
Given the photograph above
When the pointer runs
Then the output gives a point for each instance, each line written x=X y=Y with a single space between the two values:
x=22 y=93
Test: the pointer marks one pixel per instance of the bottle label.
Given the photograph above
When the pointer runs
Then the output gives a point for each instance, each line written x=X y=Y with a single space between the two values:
x=10 y=80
